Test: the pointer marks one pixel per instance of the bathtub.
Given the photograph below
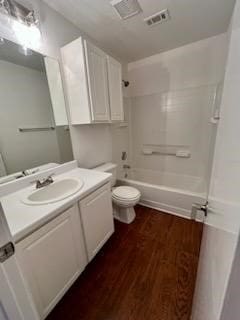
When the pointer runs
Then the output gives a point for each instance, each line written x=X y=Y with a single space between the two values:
x=168 y=192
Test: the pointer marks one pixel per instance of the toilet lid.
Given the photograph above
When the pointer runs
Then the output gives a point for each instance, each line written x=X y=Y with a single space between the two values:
x=125 y=192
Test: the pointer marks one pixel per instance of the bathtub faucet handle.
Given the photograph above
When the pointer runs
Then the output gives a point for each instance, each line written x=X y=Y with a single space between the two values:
x=124 y=155
x=126 y=166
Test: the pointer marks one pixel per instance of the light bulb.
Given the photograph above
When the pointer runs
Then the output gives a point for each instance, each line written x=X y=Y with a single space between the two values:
x=4 y=7
x=28 y=36
x=25 y=51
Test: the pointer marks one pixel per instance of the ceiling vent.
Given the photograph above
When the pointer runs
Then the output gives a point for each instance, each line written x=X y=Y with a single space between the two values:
x=126 y=8
x=157 y=18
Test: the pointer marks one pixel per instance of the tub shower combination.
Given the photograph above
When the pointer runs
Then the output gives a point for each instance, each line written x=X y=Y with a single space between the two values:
x=171 y=135
x=167 y=192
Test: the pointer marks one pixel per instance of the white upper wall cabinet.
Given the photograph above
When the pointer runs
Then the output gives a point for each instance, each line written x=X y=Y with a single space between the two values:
x=93 y=82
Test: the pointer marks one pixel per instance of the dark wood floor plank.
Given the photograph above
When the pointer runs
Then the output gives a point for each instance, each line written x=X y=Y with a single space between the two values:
x=186 y=275
x=146 y=271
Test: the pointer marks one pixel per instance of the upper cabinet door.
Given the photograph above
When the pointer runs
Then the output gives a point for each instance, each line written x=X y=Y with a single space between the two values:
x=56 y=91
x=98 y=83
x=115 y=89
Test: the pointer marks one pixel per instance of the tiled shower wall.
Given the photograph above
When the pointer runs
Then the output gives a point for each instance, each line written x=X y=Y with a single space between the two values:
x=121 y=141
x=173 y=96
x=177 y=120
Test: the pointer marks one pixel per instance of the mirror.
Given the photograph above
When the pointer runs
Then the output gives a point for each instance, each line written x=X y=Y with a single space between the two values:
x=34 y=132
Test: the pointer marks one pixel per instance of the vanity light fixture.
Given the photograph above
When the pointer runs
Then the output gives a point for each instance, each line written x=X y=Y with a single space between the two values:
x=19 y=12
x=28 y=36
x=25 y=51
x=4 y=7
x=30 y=19
x=24 y=23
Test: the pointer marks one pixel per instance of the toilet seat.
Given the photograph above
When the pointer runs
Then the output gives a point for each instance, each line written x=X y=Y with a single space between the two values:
x=125 y=196
x=125 y=193
x=125 y=199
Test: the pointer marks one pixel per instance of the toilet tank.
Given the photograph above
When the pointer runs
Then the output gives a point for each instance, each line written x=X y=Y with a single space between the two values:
x=111 y=168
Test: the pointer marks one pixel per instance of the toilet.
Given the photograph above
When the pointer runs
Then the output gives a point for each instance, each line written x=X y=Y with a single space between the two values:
x=124 y=197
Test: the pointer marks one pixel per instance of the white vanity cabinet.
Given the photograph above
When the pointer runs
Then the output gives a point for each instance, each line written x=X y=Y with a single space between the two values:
x=97 y=219
x=52 y=258
x=93 y=82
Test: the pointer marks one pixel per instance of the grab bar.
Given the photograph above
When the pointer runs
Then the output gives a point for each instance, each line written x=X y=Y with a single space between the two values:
x=150 y=152
x=36 y=129
x=180 y=153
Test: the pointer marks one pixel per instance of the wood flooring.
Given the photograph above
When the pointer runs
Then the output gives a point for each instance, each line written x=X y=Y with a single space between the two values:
x=146 y=271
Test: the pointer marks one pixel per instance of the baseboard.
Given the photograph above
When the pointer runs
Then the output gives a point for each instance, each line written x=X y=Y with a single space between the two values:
x=179 y=212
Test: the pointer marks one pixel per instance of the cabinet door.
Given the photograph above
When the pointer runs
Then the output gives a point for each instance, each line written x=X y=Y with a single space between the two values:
x=98 y=82
x=76 y=82
x=56 y=91
x=97 y=219
x=52 y=258
x=115 y=89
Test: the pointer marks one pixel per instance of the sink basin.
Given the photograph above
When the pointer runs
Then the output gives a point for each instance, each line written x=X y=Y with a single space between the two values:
x=54 y=192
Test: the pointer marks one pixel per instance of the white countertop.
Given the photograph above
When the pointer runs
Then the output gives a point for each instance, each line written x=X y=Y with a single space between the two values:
x=24 y=219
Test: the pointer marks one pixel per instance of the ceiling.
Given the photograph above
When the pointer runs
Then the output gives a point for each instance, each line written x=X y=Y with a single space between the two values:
x=132 y=39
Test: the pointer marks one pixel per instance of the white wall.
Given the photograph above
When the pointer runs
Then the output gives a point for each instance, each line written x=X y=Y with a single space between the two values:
x=92 y=144
x=193 y=65
x=2 y=313
x=226 y=174
x=221 y=233
x=25 y=102
x=172 y=103
x=121 y=139
x=231 y=309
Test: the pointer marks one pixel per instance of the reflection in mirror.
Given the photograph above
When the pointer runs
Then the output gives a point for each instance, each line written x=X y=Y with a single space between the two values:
x=34 y=132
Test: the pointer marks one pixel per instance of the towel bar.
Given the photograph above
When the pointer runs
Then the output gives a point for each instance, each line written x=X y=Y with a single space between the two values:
x=36 y=129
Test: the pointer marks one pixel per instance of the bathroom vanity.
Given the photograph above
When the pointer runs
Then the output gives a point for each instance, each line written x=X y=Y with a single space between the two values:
x=55 y=241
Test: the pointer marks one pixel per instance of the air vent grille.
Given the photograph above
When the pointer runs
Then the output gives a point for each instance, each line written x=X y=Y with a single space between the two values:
x=126 y=8
x=157 y=18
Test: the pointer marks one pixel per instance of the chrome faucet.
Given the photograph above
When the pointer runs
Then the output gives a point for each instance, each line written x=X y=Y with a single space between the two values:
x=45 y=182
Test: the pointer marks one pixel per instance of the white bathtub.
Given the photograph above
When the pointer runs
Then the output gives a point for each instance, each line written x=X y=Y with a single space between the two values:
x=172 y=193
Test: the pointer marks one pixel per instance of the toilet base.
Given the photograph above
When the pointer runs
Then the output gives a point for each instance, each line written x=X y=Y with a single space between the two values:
x=125 y=215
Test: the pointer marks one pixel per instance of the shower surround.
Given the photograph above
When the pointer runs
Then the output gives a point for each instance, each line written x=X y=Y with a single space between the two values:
x=172 y=102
